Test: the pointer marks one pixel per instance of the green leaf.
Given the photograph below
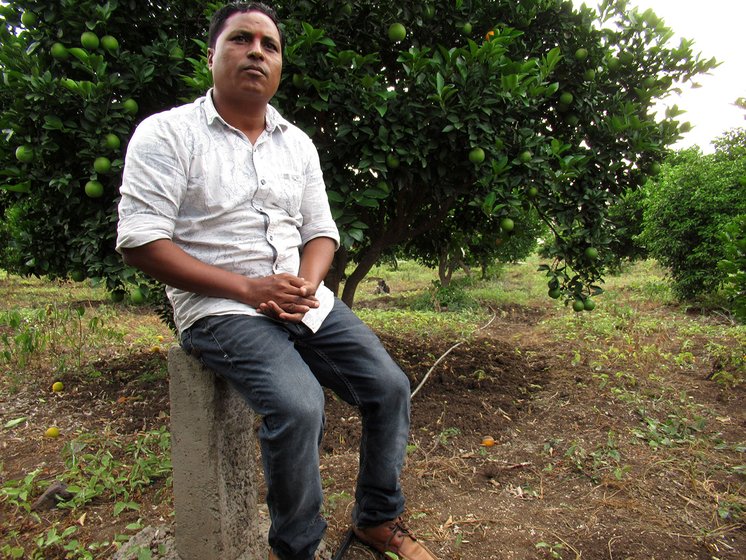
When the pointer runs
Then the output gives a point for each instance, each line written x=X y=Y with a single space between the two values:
x=13 y=423
x=20 y=187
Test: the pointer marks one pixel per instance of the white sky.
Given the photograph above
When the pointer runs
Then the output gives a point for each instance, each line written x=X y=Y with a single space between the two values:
x=717 y=28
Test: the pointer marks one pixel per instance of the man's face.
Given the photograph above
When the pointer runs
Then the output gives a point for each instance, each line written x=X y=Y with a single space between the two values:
x=246 y=61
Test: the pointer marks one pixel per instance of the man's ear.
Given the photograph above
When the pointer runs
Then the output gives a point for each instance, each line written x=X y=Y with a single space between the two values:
x=210 y=54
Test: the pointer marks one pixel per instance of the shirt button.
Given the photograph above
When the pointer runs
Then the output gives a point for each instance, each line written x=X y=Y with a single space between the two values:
x=263 y=182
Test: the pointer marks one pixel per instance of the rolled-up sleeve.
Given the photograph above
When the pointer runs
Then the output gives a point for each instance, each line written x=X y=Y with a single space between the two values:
x=317 y=215
x=153 y=186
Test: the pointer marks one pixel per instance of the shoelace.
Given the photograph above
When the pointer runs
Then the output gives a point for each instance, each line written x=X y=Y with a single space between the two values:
x=397 y=527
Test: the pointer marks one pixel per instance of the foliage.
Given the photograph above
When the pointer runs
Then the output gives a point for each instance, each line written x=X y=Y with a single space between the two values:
x=626 y=216
x=688 y=208
x=733 y=265
x=69 y=104
x=559 y=99
x=450 y=297
x=97 y=469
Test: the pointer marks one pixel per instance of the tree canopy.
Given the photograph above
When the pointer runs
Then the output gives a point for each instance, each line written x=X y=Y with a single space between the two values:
x=689 y=206
x=557 y=101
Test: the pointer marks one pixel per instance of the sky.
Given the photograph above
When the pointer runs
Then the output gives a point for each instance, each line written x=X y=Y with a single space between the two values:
x=717 y=28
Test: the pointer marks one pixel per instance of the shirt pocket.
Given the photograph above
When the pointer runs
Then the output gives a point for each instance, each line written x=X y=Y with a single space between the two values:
x=286 y=192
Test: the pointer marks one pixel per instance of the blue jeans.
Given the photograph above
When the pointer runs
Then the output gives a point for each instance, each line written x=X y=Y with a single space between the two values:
x=280 y=369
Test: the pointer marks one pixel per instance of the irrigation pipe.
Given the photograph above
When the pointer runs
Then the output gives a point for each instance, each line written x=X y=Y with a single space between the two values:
x=424 y=379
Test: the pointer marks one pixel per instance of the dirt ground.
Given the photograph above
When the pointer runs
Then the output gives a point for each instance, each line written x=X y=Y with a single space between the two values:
x=569 y=475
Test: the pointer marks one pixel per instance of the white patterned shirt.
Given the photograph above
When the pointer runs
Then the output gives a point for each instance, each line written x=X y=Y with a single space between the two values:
x=192 y=178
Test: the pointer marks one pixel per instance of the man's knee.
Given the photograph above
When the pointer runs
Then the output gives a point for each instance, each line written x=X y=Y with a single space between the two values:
x=301 y=412
x=394 y=386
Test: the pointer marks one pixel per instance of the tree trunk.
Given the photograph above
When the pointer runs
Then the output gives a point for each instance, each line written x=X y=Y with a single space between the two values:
x=337 y=271
x=366 y=262
x=444 y=268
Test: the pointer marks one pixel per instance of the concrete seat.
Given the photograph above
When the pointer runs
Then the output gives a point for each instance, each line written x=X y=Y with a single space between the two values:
x=214 y=453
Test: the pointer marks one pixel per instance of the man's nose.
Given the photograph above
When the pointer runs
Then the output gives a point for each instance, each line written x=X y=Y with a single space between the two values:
x=255 y=50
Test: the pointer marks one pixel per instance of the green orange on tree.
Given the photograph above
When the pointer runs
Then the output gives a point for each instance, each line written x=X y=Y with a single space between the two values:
x=589 y=74
x=110 y=43
x=397 y=32
x=578 y=305
x=28 y=19
x=572 y=119
x=89 y=40
x=476 y=155
x=130 y=106
x=591 y=253
x=25 y=153
x=77 y=275
x=112 y=141
x=102 y=165
x=554 y=293
x=566 y=98
x=392 y=161
x=94 y=189
x=58 y=51
x=466 y=28
x=581 y=54
x=589 y=304
x=526 y=156
x=507 y=225
x=655 y=168
x=298 y=80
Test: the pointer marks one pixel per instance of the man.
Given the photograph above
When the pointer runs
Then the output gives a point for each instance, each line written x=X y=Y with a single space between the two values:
x=223 y=200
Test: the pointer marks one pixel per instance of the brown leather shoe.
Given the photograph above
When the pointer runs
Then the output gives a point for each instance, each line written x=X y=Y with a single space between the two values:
x=393 y=536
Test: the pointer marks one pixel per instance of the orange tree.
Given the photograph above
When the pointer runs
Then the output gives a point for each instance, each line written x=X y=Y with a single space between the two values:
x=77 y=76
x=558 y=103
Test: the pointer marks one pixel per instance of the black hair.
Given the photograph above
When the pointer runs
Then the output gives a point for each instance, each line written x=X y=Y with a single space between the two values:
x=221 y=15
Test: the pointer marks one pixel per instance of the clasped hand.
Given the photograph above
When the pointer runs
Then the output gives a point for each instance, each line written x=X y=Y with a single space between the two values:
x=285 y=296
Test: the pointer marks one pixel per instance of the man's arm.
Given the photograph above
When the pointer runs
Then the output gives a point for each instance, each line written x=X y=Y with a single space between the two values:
x=316 y=259
x=168 y=263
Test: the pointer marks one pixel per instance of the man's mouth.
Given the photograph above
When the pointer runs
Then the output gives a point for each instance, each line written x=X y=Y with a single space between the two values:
x=254 y=70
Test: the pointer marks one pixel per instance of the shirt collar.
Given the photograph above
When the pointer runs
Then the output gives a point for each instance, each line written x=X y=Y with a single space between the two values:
x=272 y=118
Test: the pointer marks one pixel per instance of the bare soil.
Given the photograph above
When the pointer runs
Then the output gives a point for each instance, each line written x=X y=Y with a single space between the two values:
x=572 y=473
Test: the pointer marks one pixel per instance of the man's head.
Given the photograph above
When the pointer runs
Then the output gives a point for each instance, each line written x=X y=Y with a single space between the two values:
x=217 y=23
x=245 y=55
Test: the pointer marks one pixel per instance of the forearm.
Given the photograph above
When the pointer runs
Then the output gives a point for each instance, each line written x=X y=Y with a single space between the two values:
x=168 y=263
x=316 y=259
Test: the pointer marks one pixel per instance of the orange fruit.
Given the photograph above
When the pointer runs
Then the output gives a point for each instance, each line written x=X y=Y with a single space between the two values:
x=397 y=32
x=488 y=441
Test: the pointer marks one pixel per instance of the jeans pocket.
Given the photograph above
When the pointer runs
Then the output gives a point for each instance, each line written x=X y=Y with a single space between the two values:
x=187 y=345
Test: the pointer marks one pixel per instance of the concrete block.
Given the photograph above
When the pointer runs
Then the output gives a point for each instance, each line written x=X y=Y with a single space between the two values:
x=213 y=452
